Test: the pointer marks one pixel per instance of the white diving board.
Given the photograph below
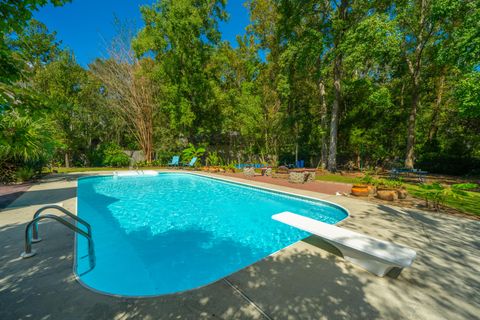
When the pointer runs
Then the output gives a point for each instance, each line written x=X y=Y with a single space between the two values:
x=376 y=256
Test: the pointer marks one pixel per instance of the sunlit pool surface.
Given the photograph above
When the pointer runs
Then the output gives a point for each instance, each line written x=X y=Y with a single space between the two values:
x=173 y=232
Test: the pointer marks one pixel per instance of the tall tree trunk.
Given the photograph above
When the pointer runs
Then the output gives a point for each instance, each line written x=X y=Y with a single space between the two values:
x=412 y=119
x=337 y=74
x=323 y=125
x=332 y=154
x=267 y=148
x=436 y=109
x=415 y=67
x=296 y=152
x=67 y=160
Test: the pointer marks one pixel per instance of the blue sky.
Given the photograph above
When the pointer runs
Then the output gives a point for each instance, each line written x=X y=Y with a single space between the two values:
x=85 y=25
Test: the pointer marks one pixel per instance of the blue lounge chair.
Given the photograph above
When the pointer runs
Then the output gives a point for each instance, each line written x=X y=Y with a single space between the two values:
x=192 y=162
x=300 y=163
x=174 y=162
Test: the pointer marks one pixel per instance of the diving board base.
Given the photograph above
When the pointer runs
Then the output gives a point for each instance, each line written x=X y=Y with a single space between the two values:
x=377 y=268
x=360 y=259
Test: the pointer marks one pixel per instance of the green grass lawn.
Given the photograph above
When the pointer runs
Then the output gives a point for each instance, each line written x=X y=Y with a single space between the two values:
x=468 y=204
x=336 y=178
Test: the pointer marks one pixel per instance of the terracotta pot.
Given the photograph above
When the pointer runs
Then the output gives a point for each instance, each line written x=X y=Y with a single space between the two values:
x=359 y=190
x=387 y=194
x=402 y=193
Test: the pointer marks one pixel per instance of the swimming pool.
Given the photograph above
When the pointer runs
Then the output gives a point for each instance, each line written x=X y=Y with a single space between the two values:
x=173 y=232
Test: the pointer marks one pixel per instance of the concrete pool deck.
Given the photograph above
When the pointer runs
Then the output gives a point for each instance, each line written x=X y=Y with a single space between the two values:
x=307 y=280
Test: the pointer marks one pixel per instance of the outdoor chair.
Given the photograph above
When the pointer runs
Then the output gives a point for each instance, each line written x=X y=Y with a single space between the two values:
x=191 y=163
x=174 y=162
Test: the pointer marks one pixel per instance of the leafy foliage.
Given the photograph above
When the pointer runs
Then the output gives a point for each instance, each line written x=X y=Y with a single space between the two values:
x=113 y=156
x=190 y=152
x=345 y=84
x=438 y=193
x=14 y=15
x=24 y=174
x=24 y=139
x=213 y=159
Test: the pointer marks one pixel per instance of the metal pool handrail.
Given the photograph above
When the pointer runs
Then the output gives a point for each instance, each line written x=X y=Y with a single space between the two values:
x=36 y=238
x=29 y=252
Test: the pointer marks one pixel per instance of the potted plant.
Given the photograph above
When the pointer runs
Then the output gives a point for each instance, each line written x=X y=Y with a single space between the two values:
x=391 y=190
x=365 y=187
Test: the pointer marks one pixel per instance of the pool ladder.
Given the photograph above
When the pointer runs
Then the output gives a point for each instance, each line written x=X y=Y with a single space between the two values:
x=31 y=231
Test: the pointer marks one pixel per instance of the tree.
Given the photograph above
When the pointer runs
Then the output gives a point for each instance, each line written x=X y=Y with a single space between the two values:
x=344 y=83
x=60 y=83
x=131 y=92
x=426 y=25
x=35 y=45
x=74 y=100
x=264 y=16
x=182 y=35
x=14 y=15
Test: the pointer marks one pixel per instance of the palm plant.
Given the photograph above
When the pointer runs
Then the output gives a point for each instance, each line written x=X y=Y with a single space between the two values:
x=437 y=193
x=191 y=152
x=24 y=142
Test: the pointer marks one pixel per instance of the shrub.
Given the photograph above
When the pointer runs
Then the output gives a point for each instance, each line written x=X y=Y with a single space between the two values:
x=114 y=156
x=7 y=172
x=393 y=184
x=191 y=152
x=367 y=179
x=24 y=174
x=437 y=193
x=164 y=157
x=157 y=163
x=24 y=143
x=231 y=167
x=142 y=164
x=213 y=159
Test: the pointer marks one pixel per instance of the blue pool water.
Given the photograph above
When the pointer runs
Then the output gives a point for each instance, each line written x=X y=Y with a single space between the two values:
x=174 y=232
